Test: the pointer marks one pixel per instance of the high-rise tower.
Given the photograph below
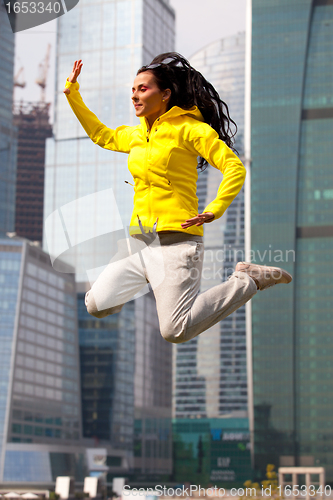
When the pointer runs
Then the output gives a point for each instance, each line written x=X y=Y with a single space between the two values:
x=291 y=222
x=214 y=383
x=8 y=133
x=32 y=121
x=114 y=38
x=211 y=434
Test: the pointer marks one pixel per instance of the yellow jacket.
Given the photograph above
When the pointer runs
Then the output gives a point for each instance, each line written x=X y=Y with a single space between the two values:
x=163 y=163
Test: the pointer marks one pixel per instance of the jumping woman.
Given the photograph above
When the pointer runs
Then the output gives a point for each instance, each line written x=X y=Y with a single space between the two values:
x=181 y=118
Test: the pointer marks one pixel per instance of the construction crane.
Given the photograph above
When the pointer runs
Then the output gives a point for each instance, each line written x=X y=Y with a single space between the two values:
x=42 y=72
x=17 y=82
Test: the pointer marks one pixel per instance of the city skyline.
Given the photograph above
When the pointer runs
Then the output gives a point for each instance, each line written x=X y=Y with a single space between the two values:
x=292 y=193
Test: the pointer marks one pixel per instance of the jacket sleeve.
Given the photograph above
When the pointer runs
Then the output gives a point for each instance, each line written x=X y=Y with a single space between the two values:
x=205 y=142
x=116 y=140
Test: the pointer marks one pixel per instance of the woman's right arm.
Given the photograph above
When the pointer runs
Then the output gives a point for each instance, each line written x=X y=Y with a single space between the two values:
x=116 y=140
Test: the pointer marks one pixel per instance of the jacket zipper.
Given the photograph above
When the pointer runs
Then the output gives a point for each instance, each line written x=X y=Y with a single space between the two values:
x=146 y=169
x=148 y=147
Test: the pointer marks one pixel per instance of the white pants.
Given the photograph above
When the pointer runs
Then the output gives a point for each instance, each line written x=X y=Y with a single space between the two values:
x=172 y=264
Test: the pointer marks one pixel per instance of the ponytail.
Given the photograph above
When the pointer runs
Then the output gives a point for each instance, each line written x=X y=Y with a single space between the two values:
x=189 y=88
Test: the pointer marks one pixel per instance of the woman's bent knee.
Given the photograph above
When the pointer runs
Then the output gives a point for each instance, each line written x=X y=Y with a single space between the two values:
x=170 y=335
x=105 y=312
x=93 y=310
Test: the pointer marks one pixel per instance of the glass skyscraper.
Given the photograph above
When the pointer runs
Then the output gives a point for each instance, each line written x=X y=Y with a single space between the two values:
x=210 y=371
x=291 y=223
x=40 y=404
x=114 y=38
x=107 y=350
x=152 y=393
x=211 y=437
x=8 y=133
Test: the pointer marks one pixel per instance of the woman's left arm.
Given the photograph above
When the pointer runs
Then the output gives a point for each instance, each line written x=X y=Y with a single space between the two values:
x=204 y=141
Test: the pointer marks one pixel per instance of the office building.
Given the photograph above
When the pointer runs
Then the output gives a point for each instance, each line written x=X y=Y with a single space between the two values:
x=8 y=133
x=107 y=355
x=212 y=451
x=114 y=39
x=32 y=122
x=210 y=370
x=152 y=394
x=126 y=382
x=40 y=413
x=291 y=223
x=210 y=429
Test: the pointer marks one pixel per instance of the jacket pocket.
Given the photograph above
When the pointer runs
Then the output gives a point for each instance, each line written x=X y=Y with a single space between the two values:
x=181 y=201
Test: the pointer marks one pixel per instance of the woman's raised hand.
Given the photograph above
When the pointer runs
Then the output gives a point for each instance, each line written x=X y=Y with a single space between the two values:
x=198 y=220
x=74 y=74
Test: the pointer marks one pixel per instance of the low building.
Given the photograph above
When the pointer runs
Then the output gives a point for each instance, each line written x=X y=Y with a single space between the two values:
x=212 y=451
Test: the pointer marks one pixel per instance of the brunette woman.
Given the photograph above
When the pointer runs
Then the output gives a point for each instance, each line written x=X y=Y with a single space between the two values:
x=181 y=118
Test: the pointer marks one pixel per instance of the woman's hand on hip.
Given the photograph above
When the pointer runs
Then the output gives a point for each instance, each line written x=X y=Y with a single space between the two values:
x=198 y=220
x=74 y=74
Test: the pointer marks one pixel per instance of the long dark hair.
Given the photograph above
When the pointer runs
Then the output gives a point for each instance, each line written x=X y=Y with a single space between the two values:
x=189 y=88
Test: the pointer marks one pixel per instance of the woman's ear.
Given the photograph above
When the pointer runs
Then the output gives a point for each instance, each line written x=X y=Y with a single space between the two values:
x=166 y=94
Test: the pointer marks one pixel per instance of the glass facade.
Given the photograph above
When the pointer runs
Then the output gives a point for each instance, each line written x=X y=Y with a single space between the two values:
x=291 y=222
x=10 y=267
x=107 y=350
x=8 y=133
x=40 y=392
x=211 y=451
x=152 y=393
x=114 y=38
x=210 y=376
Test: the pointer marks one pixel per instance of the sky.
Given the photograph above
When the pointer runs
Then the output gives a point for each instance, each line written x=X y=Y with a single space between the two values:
x=198 y=23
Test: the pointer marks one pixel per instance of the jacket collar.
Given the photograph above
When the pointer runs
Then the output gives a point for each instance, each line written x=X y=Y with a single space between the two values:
x=174 y=112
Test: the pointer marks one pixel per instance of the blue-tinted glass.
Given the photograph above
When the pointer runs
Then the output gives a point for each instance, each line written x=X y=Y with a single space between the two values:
x=110 y=38
x=291 y=211
x=211 y=371
x=8 y=133
x=10 y=264
x=29 y=466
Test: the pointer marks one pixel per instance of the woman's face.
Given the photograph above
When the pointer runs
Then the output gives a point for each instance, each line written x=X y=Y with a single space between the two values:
x=148 y=99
